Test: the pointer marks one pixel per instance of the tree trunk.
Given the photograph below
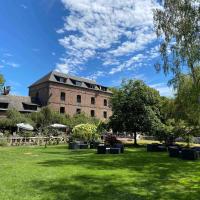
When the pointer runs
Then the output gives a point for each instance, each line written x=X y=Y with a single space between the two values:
x=135 y=138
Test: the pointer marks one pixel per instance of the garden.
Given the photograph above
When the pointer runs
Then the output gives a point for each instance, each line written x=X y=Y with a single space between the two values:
x=58 y=173
x=92 y=160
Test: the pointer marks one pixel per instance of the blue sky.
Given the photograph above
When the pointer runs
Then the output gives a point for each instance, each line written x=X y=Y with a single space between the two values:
x=105 y=40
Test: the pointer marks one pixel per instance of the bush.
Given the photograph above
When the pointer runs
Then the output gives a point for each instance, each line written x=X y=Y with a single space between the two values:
x=85 y=132
x=3 y=142
x=111 y=140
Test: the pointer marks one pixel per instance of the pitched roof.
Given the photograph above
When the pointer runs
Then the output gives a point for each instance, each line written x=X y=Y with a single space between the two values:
x=17 y=102
x=52 y=77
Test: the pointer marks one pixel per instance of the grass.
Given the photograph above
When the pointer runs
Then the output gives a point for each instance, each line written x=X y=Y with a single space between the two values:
x=56 y=173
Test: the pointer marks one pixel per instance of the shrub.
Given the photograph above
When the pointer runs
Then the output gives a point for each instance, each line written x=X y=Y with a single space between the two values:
x=111 y=140
x=3 y=142
x=85 y=132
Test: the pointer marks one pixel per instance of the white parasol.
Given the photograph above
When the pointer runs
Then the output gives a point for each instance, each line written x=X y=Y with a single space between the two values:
x=24 y=126
x=58 y=126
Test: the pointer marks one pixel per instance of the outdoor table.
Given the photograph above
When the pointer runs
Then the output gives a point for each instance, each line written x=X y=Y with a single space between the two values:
x=115 y=150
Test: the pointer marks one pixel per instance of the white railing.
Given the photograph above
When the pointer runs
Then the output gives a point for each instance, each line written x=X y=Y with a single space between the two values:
x=18 y=141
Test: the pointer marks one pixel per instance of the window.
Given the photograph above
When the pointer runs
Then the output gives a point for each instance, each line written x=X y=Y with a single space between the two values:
x=103 y=88
x=105 y=102
x=78 y=98
x=90 y=85
x=92 y=100
x=61 y=79
x=78 y=111
x=4 y=105
x=62 y=96
x=92 y=113
x=62 y=110
x=77 y=83
x=29 y=106
x=105 y=114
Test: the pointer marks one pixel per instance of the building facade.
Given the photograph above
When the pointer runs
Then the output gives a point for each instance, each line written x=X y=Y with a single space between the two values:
x=71 y=95
x=23 y=104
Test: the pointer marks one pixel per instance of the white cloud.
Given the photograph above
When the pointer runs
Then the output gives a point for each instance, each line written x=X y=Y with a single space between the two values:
x=163 y=89
x=23 y=6
x=7 y=54
x=96 y=75
x=8 y=63
x=53 y=53
x=107 y=30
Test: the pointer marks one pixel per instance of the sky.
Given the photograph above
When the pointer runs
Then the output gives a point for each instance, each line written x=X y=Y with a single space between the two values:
x=103 y=40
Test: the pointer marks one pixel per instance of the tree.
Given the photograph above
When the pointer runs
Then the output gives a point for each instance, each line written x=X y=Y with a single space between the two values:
x=2 y=80
x=177 y=24
x=135 y=108
x=82 y=119
x=187 y=106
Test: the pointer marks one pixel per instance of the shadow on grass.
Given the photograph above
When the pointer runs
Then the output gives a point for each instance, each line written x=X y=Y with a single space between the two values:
x=136 y=174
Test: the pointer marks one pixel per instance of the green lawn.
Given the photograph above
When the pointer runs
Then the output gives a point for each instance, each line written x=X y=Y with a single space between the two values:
x=57 y=173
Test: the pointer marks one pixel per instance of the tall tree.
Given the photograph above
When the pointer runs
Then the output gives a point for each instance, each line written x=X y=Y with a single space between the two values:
x=2 y=80
x=177 y=25
x=135 y=108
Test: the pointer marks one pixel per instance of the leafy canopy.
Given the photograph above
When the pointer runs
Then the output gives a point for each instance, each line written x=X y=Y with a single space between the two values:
x=135 y=108
x=177 y=25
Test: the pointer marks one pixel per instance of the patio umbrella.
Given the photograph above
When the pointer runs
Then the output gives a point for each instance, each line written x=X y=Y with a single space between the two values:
x=58 y=126
x=24 y=126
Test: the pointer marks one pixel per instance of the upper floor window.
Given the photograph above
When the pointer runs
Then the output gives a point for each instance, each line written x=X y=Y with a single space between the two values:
x=78 y=98
x=28 y=106
x=92 y=113
x=62 y=96
x=77 y=83
x=105 y=114
x=61 y=79
x=4 y=105
x=89 y=85
x=105 y=102
x=92 y=100
x=103 y=88
x=62 y=110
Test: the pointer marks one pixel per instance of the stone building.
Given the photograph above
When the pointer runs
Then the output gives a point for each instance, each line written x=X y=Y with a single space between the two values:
x=71 y=95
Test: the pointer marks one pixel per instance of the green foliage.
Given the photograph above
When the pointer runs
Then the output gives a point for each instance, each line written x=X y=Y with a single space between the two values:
x=135 y=108
x=15 y=117
x=2 y=80
x=3 y=142
x=82 y=119
x=85 y=132
x=5 y=123
x=178 y=25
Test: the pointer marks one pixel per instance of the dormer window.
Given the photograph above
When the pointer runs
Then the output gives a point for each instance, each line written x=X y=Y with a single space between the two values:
x=77 y=83
x=89 y=85
x=103 y=88
x=61 y=79
x=3 y=105
x=29 y=106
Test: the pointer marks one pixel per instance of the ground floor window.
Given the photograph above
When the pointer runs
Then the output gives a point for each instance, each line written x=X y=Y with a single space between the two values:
x=62 y=110
x=78 y=111
x=105 y=114
x=92 y=113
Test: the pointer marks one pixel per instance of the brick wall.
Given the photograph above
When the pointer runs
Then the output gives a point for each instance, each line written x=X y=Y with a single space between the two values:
x=50 y=94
